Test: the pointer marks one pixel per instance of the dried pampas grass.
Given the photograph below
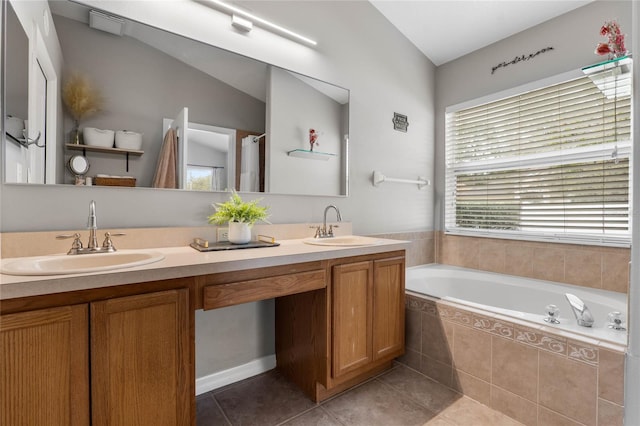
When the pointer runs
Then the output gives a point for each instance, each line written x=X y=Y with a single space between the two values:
x=80 y=97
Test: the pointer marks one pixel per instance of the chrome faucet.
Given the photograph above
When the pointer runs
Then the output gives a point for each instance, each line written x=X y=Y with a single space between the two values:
x=92 y=245
x=92 y=225
x=580 y=310
x=323 y=232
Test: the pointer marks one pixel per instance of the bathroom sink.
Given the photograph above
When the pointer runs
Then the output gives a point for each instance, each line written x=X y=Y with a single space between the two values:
x=76 y=264
x=343 y=241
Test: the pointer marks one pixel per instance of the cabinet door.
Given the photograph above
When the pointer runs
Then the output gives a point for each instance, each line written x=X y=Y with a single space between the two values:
x=44 y=367
x=351 y=315
x=141 y=357
x=388 y=308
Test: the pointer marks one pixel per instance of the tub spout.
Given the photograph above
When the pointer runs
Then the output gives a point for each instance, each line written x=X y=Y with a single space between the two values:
x=580 y=310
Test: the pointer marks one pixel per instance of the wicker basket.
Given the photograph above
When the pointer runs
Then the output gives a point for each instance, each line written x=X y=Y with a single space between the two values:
x=114 y=181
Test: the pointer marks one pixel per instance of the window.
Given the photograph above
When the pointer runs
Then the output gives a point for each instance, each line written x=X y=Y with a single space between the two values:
x=205 y=178
x=551 y=163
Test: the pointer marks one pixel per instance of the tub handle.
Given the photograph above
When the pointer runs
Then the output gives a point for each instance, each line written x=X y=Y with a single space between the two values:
x=553 y=312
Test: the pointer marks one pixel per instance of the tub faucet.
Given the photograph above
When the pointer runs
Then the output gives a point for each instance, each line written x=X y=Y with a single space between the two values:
x=322 y=232
x=580 y=310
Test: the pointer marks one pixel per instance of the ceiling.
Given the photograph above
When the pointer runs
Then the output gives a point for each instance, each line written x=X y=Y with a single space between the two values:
x=445 y=30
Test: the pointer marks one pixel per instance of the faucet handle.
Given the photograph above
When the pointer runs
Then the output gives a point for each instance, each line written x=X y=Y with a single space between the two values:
x=331 y=228
x=553 y=312
x=107 y=244
x=615 y=321
x=75 y=246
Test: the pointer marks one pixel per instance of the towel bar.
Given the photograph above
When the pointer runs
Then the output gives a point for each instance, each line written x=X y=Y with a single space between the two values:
x=378 y=178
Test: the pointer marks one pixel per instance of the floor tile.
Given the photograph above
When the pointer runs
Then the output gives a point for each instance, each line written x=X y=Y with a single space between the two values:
x=374 y=404
x=467 y=412
x=316 y=417
x=438 y=421
x=208 y=413
x=268 y=399
x=426 y=392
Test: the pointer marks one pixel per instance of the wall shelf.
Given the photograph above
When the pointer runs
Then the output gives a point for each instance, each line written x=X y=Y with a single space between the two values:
x=312 y=155
x=85 y=148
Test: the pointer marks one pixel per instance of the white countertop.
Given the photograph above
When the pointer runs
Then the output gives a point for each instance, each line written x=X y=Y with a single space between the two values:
x=180 y=262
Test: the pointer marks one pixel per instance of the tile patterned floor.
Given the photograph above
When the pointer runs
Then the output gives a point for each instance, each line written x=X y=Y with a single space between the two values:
x=398 y=397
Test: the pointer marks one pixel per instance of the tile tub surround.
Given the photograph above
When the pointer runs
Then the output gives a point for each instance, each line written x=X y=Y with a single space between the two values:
x=606 y=268
x=524 y=371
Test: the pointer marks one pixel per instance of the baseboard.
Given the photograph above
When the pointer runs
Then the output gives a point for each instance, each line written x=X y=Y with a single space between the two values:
x=235 y=374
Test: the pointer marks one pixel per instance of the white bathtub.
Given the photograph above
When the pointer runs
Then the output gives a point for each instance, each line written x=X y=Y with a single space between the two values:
x=519 y=298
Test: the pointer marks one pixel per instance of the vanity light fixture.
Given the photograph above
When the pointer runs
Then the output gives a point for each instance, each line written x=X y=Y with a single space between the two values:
x=253 y=19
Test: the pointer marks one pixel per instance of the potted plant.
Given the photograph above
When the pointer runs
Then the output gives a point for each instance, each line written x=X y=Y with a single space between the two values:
x=240 y=216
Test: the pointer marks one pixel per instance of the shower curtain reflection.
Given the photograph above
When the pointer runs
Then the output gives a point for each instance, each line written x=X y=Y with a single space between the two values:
x=249 y=170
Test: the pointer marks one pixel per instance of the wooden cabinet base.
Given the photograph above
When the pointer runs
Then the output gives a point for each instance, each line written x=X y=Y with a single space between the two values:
x=322 y=393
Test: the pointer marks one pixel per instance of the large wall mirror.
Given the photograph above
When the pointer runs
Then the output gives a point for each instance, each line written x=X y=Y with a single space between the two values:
x=171 y=112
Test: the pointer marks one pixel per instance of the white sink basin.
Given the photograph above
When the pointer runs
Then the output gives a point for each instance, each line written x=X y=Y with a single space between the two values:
x=78 y=264
x=343 y=241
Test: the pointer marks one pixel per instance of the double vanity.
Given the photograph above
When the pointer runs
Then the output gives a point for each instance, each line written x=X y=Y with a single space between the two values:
x=117 y=345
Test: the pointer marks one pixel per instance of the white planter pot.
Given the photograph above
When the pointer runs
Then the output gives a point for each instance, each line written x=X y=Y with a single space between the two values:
x=239 y=233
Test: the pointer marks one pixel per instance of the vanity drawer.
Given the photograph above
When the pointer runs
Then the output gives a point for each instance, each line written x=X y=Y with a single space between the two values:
x=220 y=295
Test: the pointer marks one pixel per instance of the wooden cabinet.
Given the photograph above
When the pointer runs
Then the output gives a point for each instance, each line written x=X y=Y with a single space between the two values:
x=388 y=308
x=140 y=359
x=44 y=367
x=139 y=349
x=367 y=314
x=351 y=315
x=331 y=340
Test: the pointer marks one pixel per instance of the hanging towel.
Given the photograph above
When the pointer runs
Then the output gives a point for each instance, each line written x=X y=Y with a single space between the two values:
x=249 y=178
x=166 y=171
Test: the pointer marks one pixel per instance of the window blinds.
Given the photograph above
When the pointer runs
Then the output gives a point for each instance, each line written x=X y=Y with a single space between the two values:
x=549 y=162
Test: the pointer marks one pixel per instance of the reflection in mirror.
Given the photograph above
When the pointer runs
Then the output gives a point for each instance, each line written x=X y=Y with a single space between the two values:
x=216 y=102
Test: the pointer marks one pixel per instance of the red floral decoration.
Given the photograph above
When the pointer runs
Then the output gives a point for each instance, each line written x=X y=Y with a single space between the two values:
x=615 y=41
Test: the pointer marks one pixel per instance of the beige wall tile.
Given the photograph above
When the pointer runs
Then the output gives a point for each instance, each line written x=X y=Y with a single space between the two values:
x=537 y=338
x=582 y=352
x=471 y=386
x=413 y=329
x=518 y=259
x=438 y=371
x=515 y=368
x=411 y=359
x=591 y=266
x=491 y=255
x=437 y=336
x=568 y=387
x=611 y=376
x=472 y=352
x=615 y=270
x=548 y=263
x=493 y=326
x=450 y=313
x=420 y=304
x=610 y=414
x=583 y=267
x=551 y=418
x=468 y=251
x=514 y=406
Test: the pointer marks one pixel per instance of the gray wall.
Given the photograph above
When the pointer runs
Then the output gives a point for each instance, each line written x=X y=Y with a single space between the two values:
x=358 y=49
x=573 y=37
x=141 y=86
